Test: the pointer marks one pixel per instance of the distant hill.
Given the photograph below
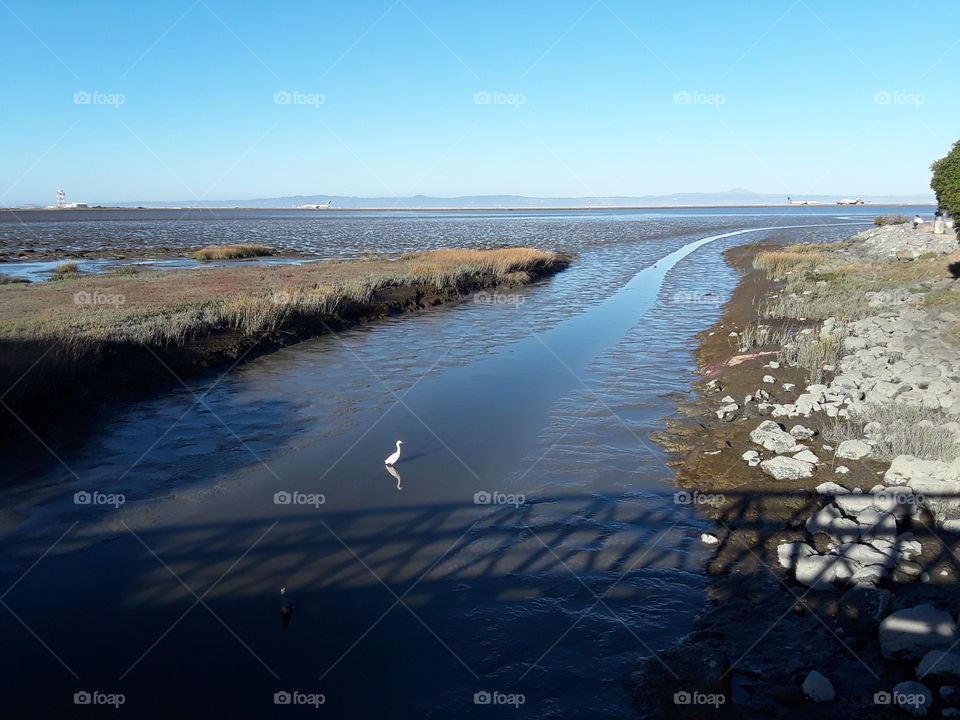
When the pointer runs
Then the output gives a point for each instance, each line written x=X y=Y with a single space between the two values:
x=736 y=196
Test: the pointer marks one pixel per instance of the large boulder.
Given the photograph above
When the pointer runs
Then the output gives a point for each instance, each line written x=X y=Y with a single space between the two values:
x=787 y=468
x=817 y=571
x=939 y=667
x=913 y=697
x=892 y=241
x=773 y=438
x=936 y=485
x=818 y=688
x=853 y=449
x=911 y=633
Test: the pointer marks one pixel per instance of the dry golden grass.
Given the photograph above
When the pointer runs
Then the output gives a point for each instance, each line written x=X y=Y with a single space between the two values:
x=782 y=262
x=232 y=252
x=159 y=307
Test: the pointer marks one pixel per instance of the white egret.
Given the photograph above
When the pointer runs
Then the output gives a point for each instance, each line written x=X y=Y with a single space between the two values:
x=395 y=456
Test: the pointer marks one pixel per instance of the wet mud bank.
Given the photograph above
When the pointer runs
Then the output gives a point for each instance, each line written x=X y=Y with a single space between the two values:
x=832 y=585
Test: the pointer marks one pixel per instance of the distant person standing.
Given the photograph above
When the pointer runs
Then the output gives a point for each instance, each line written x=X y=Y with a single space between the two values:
x=916 y=221
x=939 y=226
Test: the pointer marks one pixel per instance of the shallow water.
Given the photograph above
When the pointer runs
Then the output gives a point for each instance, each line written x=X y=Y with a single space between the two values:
x=407 y=601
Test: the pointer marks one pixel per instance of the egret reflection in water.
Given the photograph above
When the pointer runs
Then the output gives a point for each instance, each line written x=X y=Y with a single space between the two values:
x=395 y=473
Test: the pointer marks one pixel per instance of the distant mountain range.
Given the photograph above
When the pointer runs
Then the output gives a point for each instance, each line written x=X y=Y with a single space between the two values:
x=736 y=196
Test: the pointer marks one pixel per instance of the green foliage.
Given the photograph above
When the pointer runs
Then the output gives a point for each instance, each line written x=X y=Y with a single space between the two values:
x=946 y=181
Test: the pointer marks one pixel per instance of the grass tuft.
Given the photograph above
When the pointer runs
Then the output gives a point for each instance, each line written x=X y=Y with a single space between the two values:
x=232 y=252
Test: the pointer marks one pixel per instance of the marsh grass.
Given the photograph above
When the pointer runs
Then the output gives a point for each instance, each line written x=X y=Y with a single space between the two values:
x=164 y=307
x=232 y=252
x=907 y=430
x=65 y=270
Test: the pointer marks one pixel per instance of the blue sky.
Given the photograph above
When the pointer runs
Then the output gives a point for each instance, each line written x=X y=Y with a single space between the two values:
x=179 y=100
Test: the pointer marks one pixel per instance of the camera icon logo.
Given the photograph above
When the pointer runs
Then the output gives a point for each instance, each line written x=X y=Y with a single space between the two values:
x=481 y=498
x=82 y=498
x=682 y=497
x=282 y=498
x=681 y=698
x=282 y=698
x=81 y=98
x=282 y=97
x=82 y=698
x=681 y=98
x=482 y=698
x=882 y=698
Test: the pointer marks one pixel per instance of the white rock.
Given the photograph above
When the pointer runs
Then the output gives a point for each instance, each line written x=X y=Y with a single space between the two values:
x=940 y=667
x=876 y=524
x=853 y=449
x=789 y=553
x=818 y=688
x=863 y=555
x=772 y=437
x=708 y=539
x=769 y=379
x=807 y=456
x=802 y=433
x=817 y=571
x=725 y=410
x=841 y=469
x=822 y=520
x=787 y=468
x=788 y=386
x=913 y=632
x=831 y=488
x=854 y=503
x=913 y=697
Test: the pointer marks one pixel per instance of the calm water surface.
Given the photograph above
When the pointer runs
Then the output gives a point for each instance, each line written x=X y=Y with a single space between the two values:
x=528 y=542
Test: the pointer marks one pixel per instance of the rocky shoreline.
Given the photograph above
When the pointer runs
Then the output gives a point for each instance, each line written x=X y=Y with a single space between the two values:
x=823 y=444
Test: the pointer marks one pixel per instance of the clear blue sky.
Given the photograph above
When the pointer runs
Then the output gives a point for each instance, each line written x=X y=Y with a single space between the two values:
x=812 y=96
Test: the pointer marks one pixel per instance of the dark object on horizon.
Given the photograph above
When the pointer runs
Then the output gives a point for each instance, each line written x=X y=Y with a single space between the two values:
x=286 y=608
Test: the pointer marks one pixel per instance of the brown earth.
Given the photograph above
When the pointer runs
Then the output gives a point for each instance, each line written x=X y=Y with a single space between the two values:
x=762 y=632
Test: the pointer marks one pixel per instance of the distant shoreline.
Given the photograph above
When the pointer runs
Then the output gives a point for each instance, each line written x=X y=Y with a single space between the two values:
x=525 y=208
